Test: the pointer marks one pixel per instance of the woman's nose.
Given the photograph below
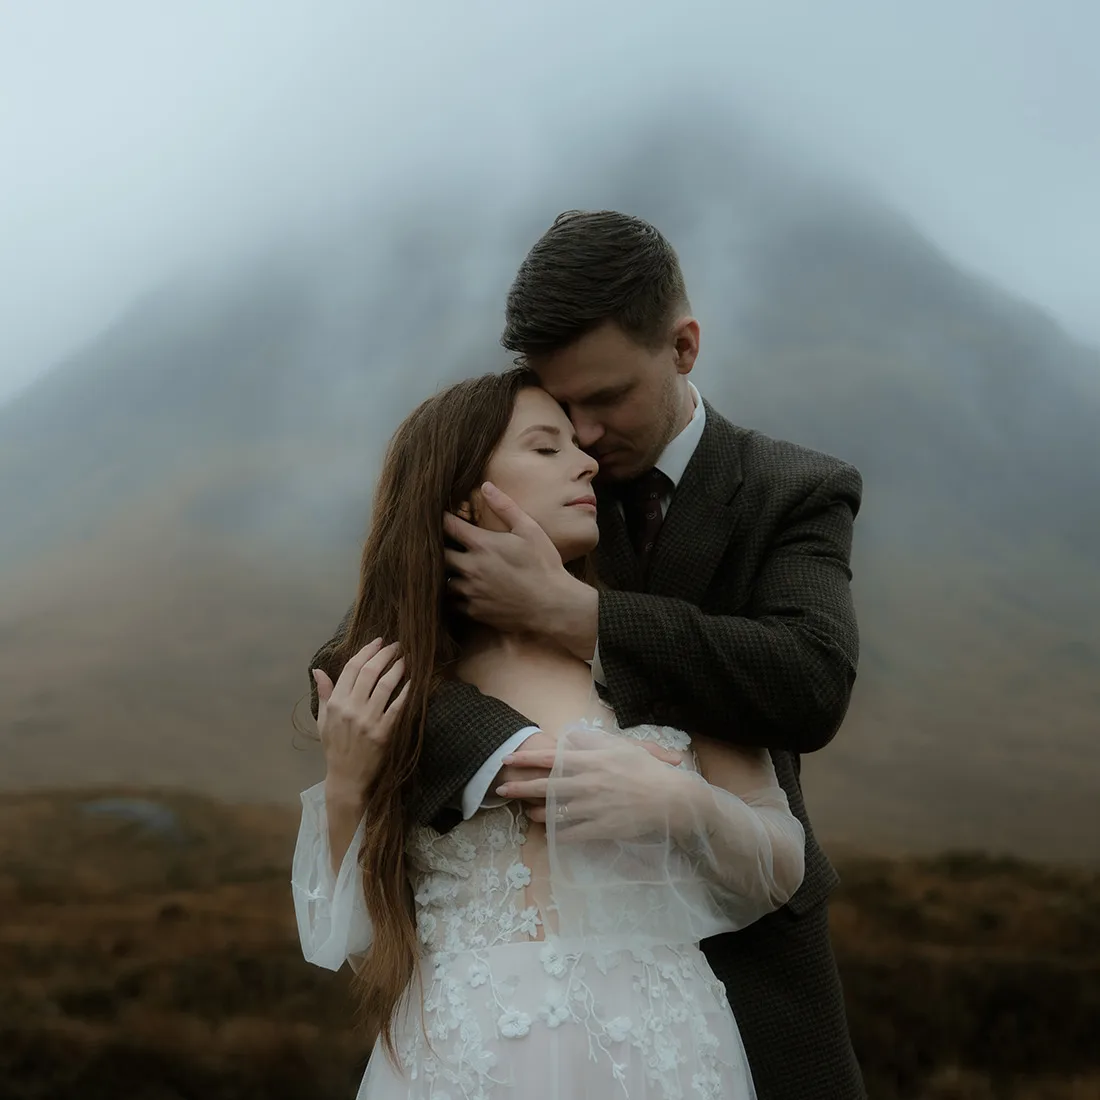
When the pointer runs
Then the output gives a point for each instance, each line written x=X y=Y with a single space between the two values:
x=589 y=467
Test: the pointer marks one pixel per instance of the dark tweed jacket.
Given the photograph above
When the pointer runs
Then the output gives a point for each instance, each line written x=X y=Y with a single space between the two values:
x=744 y=631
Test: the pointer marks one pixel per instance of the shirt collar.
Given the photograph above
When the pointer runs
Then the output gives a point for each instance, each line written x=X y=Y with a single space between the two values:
x=676 y=456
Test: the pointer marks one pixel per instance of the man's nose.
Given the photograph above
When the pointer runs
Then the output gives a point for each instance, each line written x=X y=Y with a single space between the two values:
x=589 y=432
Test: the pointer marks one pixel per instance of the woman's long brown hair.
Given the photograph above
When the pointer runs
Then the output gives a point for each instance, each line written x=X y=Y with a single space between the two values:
x=434 y=462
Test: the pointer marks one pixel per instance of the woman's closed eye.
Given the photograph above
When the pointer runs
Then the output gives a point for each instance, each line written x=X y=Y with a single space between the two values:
x=547 y=450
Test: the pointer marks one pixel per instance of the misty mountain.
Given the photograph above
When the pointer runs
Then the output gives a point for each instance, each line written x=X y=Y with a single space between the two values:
x=827 y=319
x=939 y=382
x=243 y=413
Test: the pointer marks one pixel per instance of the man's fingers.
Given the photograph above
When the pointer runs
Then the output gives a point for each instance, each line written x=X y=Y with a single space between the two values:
x=518 y=521
x=457 y=561
x=575 y=761
x=524 y=789
x=520 y=775
x=568 y=832
x=600 y=759
x=468 y=534
x=661 y=753
x=536 y=790
x=531 y=758
x=458 y=589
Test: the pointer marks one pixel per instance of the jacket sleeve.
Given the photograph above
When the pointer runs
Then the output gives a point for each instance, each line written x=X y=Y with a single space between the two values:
x=778 y=675
x=464 y=729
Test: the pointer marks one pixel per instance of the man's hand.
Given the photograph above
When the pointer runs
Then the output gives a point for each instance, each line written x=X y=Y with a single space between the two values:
x=539 y=746
x=611 y=779
x=514 y=580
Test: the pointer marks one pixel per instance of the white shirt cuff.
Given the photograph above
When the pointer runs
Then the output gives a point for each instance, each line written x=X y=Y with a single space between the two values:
x=597 y=668
x=475 y=794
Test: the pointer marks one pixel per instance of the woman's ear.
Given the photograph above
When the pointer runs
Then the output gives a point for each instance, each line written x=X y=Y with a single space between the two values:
x=466 y=512
x=476 y=506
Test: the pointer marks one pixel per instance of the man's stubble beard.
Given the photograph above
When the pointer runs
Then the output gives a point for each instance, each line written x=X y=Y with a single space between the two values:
x=668 y=415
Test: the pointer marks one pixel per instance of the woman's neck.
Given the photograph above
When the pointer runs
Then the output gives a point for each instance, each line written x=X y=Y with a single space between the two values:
x=540 y=679
x=483 y=641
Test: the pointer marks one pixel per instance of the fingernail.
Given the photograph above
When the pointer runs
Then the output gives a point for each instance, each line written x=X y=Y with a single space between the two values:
x=502 y=790
x=507 y=759
x=488 y=487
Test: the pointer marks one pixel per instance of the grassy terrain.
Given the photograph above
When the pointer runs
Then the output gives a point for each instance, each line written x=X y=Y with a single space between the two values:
x=163 y=965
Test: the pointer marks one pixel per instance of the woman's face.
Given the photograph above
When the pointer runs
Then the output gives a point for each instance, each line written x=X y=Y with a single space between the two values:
x=539 y=465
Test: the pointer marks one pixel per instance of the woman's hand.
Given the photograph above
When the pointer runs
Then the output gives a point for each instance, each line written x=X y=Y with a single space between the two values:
x=356 y=716
x=605 y=786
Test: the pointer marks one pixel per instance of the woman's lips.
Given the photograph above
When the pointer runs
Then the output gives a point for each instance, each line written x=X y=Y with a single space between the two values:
x=583 y=502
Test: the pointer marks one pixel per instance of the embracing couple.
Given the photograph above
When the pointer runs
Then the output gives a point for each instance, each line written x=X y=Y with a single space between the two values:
x=561 y=838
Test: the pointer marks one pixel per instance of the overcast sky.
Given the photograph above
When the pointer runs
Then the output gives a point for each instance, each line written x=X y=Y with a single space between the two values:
x=137 y=137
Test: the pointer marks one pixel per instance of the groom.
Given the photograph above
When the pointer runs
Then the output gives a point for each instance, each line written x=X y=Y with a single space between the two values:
x=724 y=606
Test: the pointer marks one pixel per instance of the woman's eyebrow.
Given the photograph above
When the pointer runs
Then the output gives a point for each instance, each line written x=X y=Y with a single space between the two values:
x=548 y=428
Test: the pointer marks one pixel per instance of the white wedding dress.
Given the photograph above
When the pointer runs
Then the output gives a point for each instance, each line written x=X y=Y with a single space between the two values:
x=555 y=970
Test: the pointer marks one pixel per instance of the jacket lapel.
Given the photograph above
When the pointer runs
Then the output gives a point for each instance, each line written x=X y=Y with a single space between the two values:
x=701 y=519
x=616 y=562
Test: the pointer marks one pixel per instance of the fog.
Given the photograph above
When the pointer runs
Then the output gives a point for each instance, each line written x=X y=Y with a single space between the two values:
x=137 y=140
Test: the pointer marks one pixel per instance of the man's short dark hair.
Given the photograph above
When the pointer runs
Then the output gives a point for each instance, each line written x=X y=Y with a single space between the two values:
x=588 y=268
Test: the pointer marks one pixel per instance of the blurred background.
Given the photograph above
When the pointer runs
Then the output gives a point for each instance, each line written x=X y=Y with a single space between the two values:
x=238 y=242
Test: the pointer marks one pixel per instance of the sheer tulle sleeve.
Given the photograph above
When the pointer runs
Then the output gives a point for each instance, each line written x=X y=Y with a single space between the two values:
x=333 y=924
x=643 y=853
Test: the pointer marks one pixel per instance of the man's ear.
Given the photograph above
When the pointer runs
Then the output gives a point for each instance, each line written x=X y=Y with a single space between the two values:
x=685 y=340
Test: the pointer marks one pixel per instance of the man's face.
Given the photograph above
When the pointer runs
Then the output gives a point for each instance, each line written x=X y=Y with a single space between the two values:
x=626 y=401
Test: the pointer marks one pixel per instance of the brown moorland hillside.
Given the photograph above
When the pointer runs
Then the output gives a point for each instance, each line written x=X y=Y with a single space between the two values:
x=148 y=950
x=155 y=656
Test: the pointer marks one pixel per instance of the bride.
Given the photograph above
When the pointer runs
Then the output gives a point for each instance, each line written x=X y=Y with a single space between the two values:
x=546 y=948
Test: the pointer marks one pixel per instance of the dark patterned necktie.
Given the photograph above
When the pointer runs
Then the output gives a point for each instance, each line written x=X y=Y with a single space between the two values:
x=642 y=511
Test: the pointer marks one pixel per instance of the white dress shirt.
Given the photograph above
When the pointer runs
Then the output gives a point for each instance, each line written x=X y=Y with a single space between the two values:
x=672 y=463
